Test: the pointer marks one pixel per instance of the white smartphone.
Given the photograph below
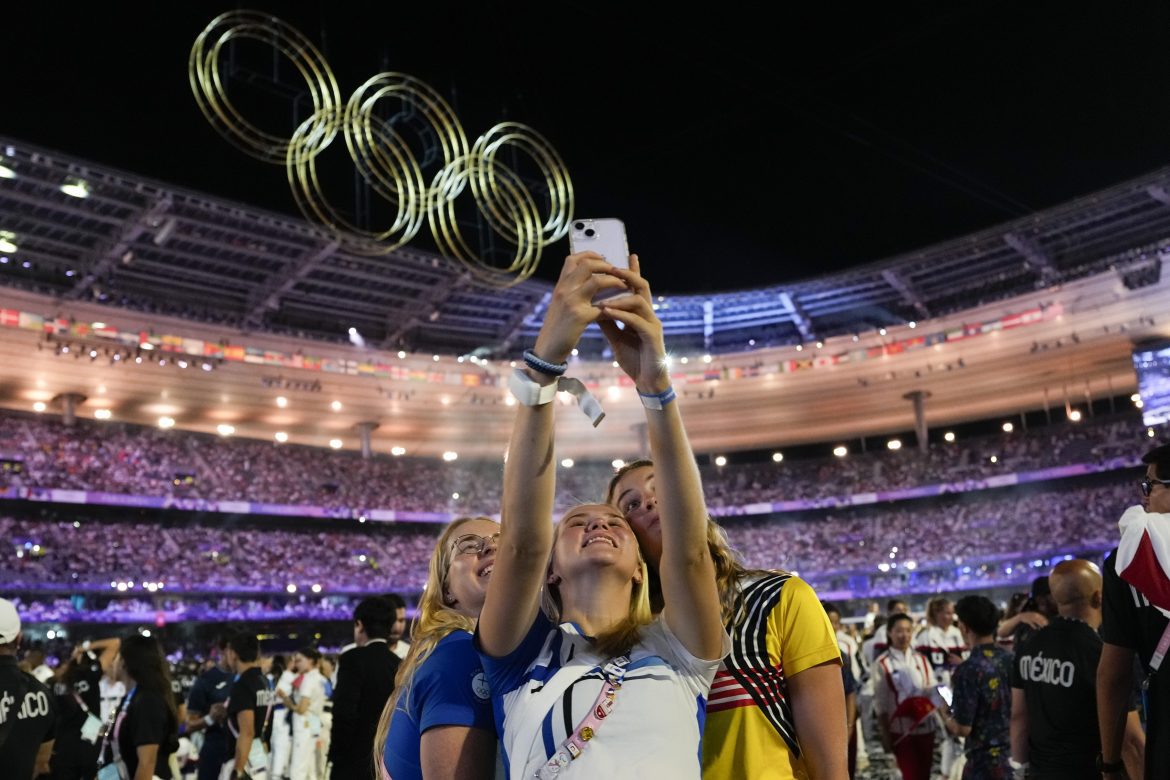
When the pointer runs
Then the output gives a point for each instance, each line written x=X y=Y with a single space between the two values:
x=945 y=693
x=606 y=237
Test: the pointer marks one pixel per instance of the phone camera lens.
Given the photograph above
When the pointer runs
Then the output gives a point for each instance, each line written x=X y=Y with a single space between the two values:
x=580 y=225
x=590 y=232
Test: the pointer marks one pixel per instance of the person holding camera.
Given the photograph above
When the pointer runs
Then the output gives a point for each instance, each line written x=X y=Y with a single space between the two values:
x=579 y=668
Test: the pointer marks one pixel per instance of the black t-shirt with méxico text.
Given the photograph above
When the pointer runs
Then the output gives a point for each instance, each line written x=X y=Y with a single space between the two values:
x=250 y=691
x=1131 y=621
x=28 y=719
x=1056 y=668
x=148 y=721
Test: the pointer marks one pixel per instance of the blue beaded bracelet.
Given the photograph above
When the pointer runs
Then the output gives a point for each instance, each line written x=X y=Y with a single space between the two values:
x=543 y=366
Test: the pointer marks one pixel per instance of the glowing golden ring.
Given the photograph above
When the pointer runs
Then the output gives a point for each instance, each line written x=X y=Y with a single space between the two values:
x=211 y=96
x=552 y=168
x=518 y=205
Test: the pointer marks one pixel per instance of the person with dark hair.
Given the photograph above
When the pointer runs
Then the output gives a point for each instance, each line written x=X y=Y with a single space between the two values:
x=902 y=698
x=397 y=646
x=249 y=709
x=282 y=675
x=28 y=714
x=305 y=705
x=145 y=730
x=207 y=712
x=981 y=707
x=1055 y=732
x=365 y=680
x=880 y=637
x=79 y=704
x=1136 y=624
x=1032 y=616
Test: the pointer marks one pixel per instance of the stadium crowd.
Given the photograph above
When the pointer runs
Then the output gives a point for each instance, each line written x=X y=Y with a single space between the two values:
x=90 y=455
x=967 y=529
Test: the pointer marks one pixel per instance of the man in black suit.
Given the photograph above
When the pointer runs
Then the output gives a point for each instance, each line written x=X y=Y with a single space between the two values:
x=365 y=680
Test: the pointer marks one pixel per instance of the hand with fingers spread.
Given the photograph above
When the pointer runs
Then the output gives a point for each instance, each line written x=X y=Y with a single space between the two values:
x=571 y=307
x=639 y=347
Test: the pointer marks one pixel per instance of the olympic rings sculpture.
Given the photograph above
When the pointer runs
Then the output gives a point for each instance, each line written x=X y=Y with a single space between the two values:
x=384 y=159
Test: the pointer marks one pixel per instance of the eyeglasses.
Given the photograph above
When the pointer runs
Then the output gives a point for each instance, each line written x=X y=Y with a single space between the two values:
x=1148 y=483
x=474 y=544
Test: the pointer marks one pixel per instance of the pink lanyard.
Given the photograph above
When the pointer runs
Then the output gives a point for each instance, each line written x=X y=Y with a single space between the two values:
x=574 y=744
x=117 y=729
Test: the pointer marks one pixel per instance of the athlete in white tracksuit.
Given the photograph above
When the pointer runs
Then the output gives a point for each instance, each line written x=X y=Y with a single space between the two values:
x=281 y=732
x=305 y=708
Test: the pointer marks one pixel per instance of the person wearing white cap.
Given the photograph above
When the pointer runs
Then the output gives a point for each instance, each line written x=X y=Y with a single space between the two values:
x=28 y=714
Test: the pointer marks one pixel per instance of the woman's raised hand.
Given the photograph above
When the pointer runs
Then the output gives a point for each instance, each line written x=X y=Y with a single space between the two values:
x=639 y=347
x=571 y=307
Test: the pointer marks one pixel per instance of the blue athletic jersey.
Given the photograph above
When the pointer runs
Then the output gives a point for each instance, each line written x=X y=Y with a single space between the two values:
x=449 y=689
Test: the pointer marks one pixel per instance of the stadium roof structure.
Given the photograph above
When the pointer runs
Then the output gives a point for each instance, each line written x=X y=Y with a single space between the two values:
x=88 y=233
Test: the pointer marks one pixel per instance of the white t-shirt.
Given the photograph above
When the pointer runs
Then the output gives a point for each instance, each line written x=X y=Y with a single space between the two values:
x=544 y=689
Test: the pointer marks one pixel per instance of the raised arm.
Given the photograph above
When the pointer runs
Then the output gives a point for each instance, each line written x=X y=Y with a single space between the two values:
x=686 y=570
x=513 y=594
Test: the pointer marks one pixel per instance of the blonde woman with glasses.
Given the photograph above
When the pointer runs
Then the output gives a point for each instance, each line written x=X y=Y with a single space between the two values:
x=438 y=723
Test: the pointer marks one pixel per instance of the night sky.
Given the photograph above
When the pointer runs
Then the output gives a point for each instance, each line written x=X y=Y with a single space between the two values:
x=741 y=147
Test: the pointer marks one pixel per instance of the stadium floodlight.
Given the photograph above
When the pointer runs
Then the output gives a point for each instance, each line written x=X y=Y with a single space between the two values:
x=841 y=451
x=777 y=457
x=76 y=188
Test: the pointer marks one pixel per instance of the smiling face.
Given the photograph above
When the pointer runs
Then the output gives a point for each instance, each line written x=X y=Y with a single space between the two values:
x=593 y=535
x=635 y=497
x=468 y=572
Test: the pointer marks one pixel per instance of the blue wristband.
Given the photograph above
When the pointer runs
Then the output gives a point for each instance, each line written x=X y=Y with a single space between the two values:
x=657 y=401
x=543 y=366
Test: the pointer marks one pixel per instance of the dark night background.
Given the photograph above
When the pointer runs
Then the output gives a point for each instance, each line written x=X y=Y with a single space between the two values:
x=742 y=146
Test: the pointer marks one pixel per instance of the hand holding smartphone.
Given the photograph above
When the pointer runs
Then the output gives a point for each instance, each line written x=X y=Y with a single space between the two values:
x=606 y=237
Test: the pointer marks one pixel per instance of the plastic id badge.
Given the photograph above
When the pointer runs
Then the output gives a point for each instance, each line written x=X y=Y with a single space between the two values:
x=258 y=760
x=113 y=771
x=91 y=728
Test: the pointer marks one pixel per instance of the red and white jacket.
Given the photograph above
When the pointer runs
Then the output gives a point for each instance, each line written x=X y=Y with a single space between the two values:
x=902 y=675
